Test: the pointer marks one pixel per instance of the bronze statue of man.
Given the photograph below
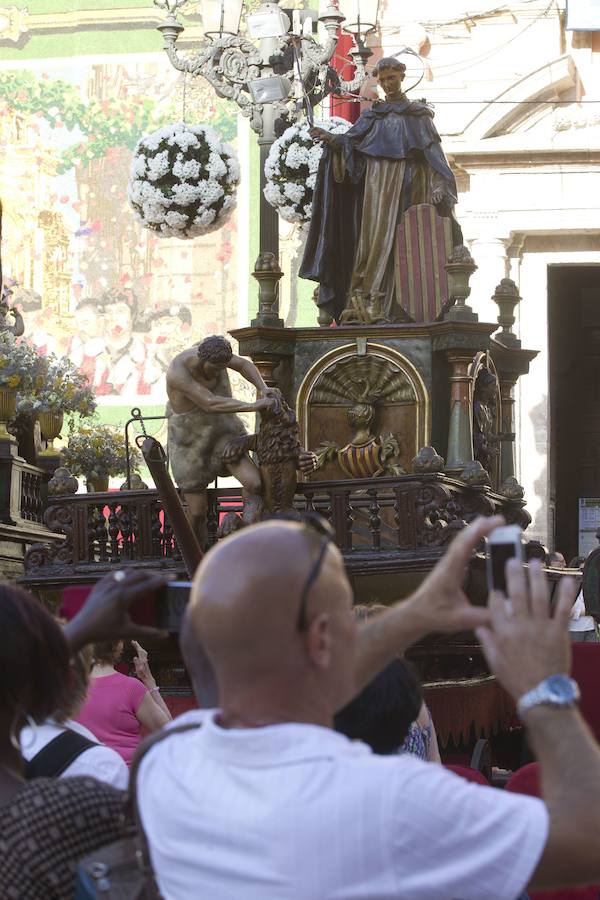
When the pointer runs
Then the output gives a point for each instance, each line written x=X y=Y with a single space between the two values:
x=201 y=421
x=390 y=160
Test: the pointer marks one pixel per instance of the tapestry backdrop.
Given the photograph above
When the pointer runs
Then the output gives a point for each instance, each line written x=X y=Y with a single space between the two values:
x=80 y=82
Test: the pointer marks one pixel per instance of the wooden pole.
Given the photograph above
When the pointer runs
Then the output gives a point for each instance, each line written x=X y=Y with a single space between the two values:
x=189 y=546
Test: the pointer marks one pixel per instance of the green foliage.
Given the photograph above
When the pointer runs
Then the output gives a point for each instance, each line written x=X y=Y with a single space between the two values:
x=58 y=386
x=19 y=362
x=103 y=124
x=98 y=451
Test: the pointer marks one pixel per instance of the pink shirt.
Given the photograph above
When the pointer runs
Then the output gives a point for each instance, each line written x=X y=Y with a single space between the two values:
x=110 y=712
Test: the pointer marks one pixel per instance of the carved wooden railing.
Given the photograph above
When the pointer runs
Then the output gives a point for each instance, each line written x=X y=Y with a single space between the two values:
x=407 y=517
x=103 y=530
x=408 y=514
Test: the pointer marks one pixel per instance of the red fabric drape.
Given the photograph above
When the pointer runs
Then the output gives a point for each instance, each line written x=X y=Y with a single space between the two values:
x=340 y=107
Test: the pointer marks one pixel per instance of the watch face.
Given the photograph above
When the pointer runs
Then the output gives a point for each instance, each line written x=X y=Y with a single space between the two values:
x=562 y=688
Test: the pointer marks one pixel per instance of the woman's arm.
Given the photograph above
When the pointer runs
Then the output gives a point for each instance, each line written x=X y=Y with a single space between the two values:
x=150 y=715
x=142 y=670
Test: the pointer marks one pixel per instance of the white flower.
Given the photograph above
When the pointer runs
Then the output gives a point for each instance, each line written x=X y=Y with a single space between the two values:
x=185 y=193
x=183 y=168
x=158 y=165
x=139 y=166
x=206 y=218
x=209 y=192
x=294 y=192
x=153 y=213
x=216 y=165
x=273 y=195
x=176 y=220
x=196 y=188
x=289 y=213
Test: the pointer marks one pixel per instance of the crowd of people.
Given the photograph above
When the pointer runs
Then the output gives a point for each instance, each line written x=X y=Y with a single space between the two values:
x=310 y=768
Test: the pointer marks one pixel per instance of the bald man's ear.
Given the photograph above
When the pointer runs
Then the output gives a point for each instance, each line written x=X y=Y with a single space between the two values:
x=318 y=641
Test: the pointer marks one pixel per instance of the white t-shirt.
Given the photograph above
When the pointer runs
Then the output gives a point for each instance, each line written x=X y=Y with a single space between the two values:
x=100 y=761
x=299 y=812
x=578 y=620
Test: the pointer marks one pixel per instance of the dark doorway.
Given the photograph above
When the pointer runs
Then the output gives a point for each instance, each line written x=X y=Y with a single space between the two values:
x=574 y=368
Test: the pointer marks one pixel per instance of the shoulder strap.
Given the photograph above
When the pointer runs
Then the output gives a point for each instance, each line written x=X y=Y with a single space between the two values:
x=57 y=755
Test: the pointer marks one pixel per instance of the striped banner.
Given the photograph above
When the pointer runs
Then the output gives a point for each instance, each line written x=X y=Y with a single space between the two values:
x=361 y=462
x=423 y=246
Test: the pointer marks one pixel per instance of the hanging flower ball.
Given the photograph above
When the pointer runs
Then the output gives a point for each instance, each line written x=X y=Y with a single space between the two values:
x=183 y=181
x=291 y=168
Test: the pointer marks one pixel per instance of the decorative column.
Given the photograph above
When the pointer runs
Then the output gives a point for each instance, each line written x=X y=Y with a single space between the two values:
x=506 y=296
x=268 y=274
x=507 y=424
x=460 y=431
x=511 y=362
x=459 y=269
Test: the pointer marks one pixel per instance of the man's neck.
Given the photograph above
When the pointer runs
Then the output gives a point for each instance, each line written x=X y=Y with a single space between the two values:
x=254 y=711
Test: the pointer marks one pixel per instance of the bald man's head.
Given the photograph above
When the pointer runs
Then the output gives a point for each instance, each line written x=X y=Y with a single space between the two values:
x=245 y=603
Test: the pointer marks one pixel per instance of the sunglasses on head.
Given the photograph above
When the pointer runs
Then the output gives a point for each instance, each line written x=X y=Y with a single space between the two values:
x=315 y=525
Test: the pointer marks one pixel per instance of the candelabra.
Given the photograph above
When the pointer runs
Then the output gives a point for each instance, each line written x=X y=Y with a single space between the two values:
x=276 y=70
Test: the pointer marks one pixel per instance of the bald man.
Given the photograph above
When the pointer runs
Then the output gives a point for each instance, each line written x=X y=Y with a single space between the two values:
x=264 y=801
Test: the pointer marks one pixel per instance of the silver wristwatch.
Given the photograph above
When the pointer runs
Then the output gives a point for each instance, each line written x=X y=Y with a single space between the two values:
x=559 y=691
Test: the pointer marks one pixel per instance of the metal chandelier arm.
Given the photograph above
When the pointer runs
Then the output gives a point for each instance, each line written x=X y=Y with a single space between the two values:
x=359 y=55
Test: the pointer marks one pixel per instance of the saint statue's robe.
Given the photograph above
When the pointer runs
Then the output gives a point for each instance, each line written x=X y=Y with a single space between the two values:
x=390 y=160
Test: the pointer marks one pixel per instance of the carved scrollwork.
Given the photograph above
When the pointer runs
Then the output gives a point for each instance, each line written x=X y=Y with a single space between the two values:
x=59 y=519
x=438 y=516
x=43 y=556
x=239 y=62
x=475 y=503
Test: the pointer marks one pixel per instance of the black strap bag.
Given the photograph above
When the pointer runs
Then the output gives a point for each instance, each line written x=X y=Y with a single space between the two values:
x=122 y=870
x=58 y=754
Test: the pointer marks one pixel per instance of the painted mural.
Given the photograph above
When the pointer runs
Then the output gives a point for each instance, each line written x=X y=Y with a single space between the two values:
x=90 y=281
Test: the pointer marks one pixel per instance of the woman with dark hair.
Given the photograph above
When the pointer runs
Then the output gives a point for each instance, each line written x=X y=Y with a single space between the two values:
x=118 y=707
x=49 y=824
x=61 y=747
x=389 y=714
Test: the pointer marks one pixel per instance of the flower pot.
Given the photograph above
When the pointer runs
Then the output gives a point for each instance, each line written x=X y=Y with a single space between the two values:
x=8 y=408
x=97 y=485
x=50 y=426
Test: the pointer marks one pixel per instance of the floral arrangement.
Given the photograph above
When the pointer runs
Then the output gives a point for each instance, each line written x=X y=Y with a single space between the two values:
x=98 y=451
x=58 y=386
x=183 y=181
x=19 y=362
x=291 y=169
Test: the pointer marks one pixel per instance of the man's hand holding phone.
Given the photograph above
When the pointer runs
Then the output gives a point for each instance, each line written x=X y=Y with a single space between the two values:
x=527 y=641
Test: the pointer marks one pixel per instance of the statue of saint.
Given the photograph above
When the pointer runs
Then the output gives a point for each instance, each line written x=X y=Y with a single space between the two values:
x=390 y=160
x=201 y=422
x=485 y=436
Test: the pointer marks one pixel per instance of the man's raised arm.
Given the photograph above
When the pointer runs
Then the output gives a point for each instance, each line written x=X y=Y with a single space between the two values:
x=248 y=370
x=212 y=403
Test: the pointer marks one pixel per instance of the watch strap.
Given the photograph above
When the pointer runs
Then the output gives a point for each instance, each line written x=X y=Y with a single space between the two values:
x=543 y=695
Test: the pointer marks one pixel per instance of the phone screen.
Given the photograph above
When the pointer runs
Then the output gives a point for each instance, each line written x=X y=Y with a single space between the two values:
x=499 y=556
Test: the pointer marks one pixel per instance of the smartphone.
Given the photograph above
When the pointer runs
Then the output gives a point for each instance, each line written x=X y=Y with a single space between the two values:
x=170 y=605
x=501 y=545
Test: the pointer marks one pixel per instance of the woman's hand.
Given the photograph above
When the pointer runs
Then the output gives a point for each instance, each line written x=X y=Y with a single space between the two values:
x=106 y=612
x=142 y=668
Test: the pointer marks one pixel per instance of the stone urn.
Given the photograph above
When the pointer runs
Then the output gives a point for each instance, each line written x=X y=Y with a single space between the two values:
x=50 y=426
x=8 y=409
x=97 y=485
